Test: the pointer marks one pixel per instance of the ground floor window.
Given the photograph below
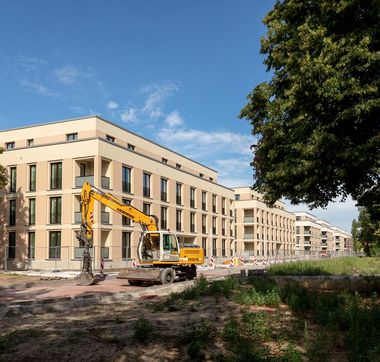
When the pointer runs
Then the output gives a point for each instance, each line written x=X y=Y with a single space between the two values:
x=54 y=245
x=12 y=245
x=214 y=247
x=126 y=245
x=31 y=245
x=223 y=247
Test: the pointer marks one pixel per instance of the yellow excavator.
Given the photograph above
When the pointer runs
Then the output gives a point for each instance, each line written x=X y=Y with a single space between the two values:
x=161 y=258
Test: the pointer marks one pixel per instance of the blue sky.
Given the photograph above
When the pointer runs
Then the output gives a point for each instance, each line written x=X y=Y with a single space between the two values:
x=175 y=71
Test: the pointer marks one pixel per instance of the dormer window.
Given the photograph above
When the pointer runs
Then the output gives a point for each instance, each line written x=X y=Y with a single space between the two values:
x=131 y=147
x=178 y=166
x=164 y=160
x=10 y=145
x=71 y=136
x=110 y=138
x=30 y=142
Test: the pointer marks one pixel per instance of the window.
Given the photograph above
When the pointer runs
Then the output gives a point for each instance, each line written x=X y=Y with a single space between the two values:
x=223 y=227
x=223 y=206
x=55 y=210
x=164 y=220
x=12 y=212
x=211 y=179
x=204 y=200
x=56 y=176
x=32 y=211
x=192 y=222
x=178 y=166
x=237 y=197
x=146 y=208
x=32 y=177
x=164 y=189
x=164 y=160
x=192 y=197
x=126 y=179
x=131 y=147
x=178 y=188
x=204 y=224
x=30 y=142
x=126 y=221
x=12 y=245
x=110 y=138
x=214 y=203
x=204 y=246
x=214 y=225
x=54 y=245
x=71 y=136
x=31 y=245
x=13 y=183
x=201 y=175
x=146 y=184
x=9 y=145
x=179 y=220
x=170 y=244
x=214 y=252
x=223 y=247
x=126 y=245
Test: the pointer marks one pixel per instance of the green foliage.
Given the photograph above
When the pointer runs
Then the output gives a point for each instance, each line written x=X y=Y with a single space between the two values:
x=336 y=266
x=142 y=329
x=252 y=297
x=354 y=233
x=368 y=232
x=316 y=120
x=197 y=337
x=3 y=178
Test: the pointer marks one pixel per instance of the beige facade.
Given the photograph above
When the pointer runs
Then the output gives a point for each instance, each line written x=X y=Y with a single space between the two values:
x=47 y=165
x=262 y=231
x=318 y=237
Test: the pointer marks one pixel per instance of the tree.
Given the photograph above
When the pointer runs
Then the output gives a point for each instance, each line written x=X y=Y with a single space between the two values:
x=367 y=235
x=354 y=233
x=317 y=119
x=3 y=179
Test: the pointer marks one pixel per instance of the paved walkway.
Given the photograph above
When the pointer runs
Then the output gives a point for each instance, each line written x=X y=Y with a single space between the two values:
x=47 y=289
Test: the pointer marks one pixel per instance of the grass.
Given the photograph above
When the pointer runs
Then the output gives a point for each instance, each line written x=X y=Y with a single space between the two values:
x=336 y=266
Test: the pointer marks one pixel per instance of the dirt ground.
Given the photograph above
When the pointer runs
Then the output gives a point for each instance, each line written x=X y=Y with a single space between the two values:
x=12 y=280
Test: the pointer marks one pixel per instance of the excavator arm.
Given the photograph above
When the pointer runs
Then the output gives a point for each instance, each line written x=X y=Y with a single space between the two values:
x=88 y=197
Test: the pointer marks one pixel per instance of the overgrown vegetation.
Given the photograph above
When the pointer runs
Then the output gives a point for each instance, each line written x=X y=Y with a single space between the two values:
x=337 y=266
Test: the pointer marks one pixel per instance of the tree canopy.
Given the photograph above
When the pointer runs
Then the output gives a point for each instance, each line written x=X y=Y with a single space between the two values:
x=3 y=179
x=317 y=119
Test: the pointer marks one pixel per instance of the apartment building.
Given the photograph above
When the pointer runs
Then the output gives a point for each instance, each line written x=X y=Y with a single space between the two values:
x=47 y=165
x=261 y=230
x=318 y=237
x=308 y=233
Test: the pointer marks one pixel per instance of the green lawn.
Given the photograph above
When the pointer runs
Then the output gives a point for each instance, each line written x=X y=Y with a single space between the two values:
x=349 y=265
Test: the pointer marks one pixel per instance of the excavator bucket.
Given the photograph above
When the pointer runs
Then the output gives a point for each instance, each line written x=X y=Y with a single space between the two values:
x=86 y=279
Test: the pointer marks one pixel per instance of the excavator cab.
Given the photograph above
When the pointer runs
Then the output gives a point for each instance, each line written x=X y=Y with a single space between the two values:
x=158 y=246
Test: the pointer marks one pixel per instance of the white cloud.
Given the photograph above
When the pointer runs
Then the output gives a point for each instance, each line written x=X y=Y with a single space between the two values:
x=112 y=105
x=157 y=95
x=130 y=115
x=38 y=88
x=67 y=75
x=234 y=172
x=199 y=143
x=173 y=119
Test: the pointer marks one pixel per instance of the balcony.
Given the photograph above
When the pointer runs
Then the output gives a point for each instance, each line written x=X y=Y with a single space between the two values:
x=105 y=182
x=105 y=217
x=80 y=180
x=249 y=219
x=307 y=242
x=307 y=232
x=248 y=236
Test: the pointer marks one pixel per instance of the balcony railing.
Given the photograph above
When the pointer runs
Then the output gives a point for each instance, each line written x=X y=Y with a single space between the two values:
x=105 y=217
x=78 y=252
x=78 y=217
x=249 y=219
x=248 y=236
x=105 y=182
x=307 y=232
x=105 y=252
x=80 y=180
